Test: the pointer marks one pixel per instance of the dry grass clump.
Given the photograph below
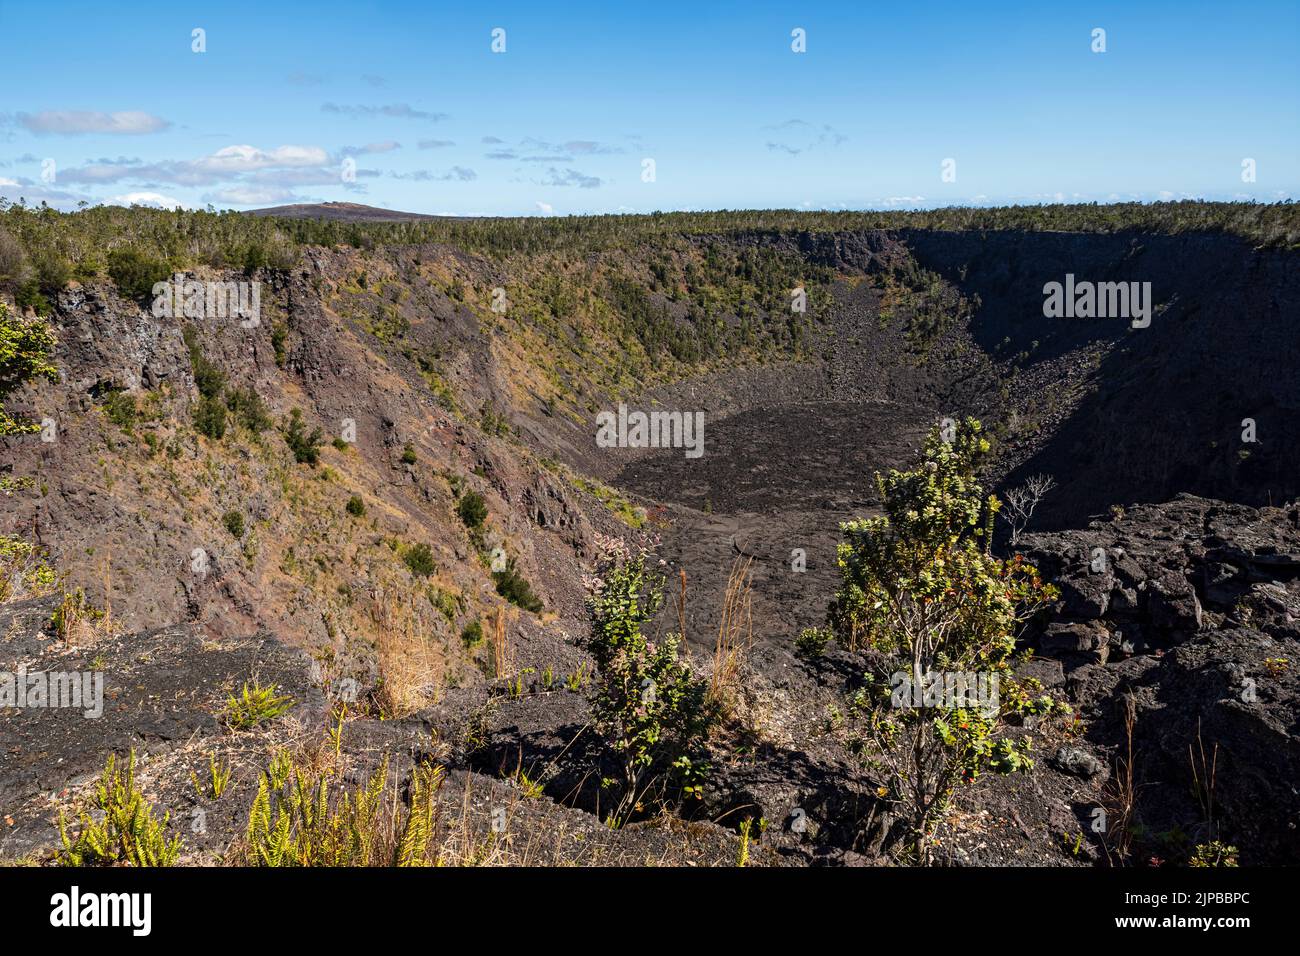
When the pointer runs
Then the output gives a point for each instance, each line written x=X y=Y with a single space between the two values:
x=411 y=665
x=735 y=639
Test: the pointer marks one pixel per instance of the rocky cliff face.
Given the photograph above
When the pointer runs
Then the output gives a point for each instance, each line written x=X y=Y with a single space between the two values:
x=1120 y=414
x=134 y=509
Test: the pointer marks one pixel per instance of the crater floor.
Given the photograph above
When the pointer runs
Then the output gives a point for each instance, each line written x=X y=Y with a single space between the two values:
x=771 y=480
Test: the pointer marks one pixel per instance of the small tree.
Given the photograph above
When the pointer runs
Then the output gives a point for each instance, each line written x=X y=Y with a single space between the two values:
x=922 y=592
x=25 y=349
x=305 y=445
x=646 y=703
x=1022 y=501
x=210 y=418
x=135 y=273
x=13 y=262
x=472 y=509
x=419 y=558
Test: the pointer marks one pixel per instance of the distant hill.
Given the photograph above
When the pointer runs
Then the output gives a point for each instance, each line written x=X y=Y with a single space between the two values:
x=342 y=211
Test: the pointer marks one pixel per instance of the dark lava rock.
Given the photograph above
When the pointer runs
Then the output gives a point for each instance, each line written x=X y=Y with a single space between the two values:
x=1077 y=762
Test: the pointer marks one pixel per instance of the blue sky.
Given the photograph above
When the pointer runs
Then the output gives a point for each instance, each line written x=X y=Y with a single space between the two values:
x=405 y=105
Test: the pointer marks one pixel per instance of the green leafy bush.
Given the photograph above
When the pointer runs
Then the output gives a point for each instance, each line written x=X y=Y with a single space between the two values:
x=25 y=350
x=13 y=262
x=812 y=642
x=120 y=407
x=29 y=296
x=234 y=522
x=447 y=603
x=512 y=586
x=1214 y=854
x=279 y=343
x=249 y=409
x=922 y=591
x=471 y=634
x=419 y=558
x=210 y=418
x=472 y=509
x=356 y=507
x=52 y=270
x=208 y=378
x=304 y=444
x=652 y=712
x=409 y=456
x=24 y=571
x=135 y=273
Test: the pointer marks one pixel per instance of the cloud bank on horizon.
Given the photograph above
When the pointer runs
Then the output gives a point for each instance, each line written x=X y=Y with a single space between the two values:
x=594 y=110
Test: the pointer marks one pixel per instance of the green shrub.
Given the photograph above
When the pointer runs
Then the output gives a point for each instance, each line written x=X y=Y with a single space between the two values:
x=472 y=634
x=24 y=571
x=208 y=378
x=1214 y=854
x=305 y=445
x=279 y=343
x=210 y=418
x=126 y=832
x=408 y=455
x=494 y=422
x=446 y=602
x=419 y=558
x=249 y=409
x=812 y=642
x=356 y=507
x=234 y=522
x=25 y=350
x=652 y=712
x=274 y=254
x=13 y=262
x=29 y=296
x=472 y=509
x=255 y=705
x=121 y=409
x=922 y=591
x=512 y=586
x=53 y=272
x=135 y=273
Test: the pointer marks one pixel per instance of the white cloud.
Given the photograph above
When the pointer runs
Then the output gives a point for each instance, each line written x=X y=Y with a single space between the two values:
x=145 y=199
x=250 y=196
x=237 y=159
x=76 y=122
x=392 y=110
x=545 y=208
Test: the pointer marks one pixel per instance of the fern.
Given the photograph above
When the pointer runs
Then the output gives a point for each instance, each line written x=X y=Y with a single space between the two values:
x=296 y=821
x=413 y=846
x=255 y=705
x=129 y=833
